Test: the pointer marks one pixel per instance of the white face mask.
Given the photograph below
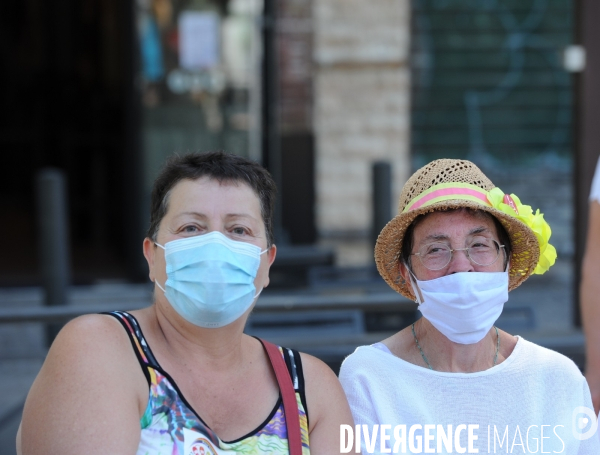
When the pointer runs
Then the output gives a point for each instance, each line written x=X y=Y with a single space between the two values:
x=463 y=306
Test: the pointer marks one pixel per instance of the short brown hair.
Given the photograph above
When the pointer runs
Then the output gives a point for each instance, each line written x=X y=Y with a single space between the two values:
x=221 y=166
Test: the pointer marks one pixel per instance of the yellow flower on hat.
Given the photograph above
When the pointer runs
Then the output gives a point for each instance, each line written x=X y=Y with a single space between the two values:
x=511 y=205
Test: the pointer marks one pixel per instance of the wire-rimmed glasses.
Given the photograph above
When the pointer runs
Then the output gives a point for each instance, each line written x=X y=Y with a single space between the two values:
x=482 y=251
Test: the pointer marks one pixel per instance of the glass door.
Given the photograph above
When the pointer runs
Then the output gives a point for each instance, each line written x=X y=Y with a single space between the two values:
x=200 y=76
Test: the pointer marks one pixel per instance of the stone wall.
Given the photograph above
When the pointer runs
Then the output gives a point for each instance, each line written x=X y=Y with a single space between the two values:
x=361 y=114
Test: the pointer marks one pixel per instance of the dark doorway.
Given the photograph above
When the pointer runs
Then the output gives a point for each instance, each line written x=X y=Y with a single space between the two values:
x=63 y=90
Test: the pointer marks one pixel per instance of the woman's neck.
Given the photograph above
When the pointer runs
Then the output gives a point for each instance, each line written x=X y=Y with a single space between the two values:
x=445 y=355
x=218 y=349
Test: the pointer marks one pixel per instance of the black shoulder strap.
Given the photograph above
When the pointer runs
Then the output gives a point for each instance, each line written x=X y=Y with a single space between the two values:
x=140 y=346
x=294 y=364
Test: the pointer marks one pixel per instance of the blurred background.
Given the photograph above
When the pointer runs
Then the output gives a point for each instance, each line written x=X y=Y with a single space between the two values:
x=340 y=99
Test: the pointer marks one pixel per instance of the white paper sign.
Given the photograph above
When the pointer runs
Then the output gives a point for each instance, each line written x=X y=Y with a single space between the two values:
x=198 y=40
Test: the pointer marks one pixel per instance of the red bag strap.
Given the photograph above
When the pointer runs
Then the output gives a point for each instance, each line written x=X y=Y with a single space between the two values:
x=288 y=396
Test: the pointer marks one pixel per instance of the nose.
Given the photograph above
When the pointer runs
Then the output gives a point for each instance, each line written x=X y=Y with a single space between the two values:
x=460 y=262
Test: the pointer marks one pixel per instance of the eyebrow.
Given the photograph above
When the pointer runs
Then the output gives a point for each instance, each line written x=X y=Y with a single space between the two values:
x=239 y=215
x=442 y=237
x=479 y=230
x=434 y=237
x=194 y=214
x=227 y=216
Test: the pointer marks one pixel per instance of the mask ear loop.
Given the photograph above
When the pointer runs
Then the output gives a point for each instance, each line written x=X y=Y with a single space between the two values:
x=156 y=281
x=261 y=253
x=160 y=287
x=507 y=259
x=414 y=285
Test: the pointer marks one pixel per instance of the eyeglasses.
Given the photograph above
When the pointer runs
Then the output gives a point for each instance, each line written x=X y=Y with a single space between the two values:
x=436 y=256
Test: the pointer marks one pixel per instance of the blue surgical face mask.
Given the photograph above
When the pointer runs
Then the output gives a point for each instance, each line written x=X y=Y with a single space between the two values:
x=210 y=278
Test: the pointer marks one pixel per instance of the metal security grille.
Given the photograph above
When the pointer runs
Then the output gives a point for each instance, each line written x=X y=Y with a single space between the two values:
x=488 y=81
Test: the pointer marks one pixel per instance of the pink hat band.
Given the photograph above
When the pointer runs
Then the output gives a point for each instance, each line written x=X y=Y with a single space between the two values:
x=448 y=191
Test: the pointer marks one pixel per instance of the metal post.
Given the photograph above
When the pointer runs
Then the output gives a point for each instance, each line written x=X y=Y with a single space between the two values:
x=270 y=116
x=382 y=197
x=53 y=240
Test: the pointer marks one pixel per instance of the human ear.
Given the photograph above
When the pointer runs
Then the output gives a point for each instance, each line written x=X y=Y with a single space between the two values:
x=403 y=269
x=271 y=254
x=149 y=248
x=406 y=273
x=507 y=258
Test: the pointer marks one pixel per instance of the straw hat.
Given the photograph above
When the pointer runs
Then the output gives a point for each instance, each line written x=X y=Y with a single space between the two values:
x=449 y=184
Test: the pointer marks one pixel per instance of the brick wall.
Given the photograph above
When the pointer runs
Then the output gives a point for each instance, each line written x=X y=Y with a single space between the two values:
x=361 y=114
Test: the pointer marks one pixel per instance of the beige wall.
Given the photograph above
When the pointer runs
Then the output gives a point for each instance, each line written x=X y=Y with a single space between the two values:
x=361 y=114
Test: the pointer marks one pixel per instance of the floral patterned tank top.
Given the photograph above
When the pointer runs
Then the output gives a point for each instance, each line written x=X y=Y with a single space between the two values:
x=170 y=426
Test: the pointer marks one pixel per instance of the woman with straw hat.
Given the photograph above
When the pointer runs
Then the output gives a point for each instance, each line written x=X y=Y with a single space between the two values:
x=452 y=380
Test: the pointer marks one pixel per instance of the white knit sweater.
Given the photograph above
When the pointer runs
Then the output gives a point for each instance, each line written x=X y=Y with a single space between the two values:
x=534 y=390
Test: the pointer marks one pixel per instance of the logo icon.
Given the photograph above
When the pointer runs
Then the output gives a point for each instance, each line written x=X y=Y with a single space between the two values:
x=201 y=446
x=583 y=418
